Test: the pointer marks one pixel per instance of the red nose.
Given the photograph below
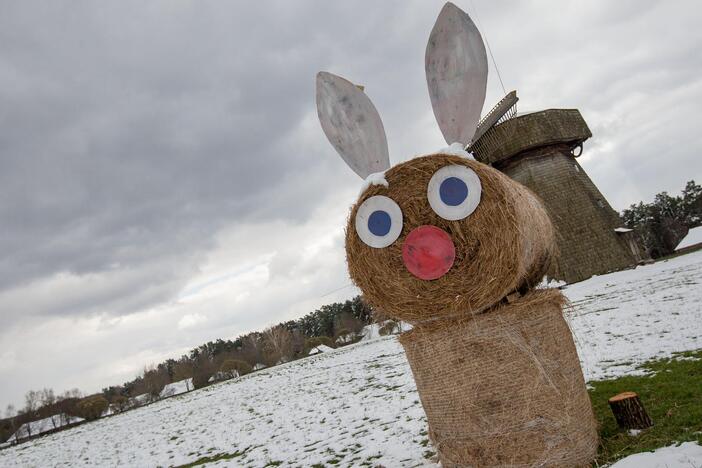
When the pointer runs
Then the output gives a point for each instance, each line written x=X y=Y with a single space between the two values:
x=428 y=252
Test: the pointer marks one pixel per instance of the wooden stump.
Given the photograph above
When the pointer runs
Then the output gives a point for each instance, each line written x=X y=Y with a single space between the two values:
x=629 y=411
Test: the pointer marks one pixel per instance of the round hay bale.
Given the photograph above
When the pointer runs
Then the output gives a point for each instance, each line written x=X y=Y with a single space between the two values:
x=504 y=388
x=505 y=245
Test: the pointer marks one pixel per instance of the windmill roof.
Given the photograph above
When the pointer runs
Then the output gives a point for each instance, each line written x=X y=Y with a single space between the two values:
x=529 y=131
x=693 y=237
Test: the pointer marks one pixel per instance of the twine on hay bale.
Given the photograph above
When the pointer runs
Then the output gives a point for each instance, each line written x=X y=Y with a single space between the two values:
x=504 y=388
x=505 y=245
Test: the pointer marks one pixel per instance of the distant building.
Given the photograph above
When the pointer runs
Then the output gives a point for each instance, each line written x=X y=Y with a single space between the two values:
x=319 y=350
x=692 y=241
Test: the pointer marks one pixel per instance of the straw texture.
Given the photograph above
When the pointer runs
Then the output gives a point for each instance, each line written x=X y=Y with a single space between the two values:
x=506 y=244
x=504 y=388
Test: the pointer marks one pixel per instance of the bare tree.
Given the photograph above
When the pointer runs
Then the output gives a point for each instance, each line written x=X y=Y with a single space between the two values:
x=251 y=349
x=347 y=328
x=31 y=402
x=183 y=370
x=203 y=369
x=278 y=344
x=47 y=397
x=10 y=413
x=297 y=343
x=154 y=380
x=72 y=393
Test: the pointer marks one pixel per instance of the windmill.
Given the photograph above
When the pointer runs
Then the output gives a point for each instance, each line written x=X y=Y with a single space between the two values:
x=537 y=149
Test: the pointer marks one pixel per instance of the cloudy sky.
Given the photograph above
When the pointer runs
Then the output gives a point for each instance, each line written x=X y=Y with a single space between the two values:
x=164 y=180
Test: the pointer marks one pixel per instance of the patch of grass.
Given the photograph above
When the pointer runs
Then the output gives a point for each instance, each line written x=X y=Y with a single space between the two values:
x=671 y=392
x=214 y=458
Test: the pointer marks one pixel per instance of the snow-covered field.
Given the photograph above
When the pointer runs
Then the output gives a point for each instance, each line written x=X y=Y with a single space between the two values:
x=358 y=405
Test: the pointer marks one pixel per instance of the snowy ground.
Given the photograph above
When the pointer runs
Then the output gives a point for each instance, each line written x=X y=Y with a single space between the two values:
x=358 y=405
x=685 y=455
x=625 y=318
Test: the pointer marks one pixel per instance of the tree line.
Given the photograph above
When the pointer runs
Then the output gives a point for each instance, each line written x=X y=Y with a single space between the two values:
x=663 y=223
x=333 y=325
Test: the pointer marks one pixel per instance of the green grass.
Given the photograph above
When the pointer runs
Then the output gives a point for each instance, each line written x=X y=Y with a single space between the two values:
x=671 y=392
x=214 y=458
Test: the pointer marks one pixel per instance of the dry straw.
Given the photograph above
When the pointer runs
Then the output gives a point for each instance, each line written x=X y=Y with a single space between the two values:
x=504 y=388
x=505 y=245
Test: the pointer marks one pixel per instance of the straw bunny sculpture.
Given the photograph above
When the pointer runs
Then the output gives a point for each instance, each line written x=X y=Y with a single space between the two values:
x=441 y=241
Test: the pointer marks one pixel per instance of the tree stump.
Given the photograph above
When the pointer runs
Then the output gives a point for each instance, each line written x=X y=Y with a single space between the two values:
x=629 y=411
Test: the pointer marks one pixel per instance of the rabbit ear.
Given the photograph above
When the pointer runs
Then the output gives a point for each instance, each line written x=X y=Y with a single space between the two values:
x=456 y=68
x=352 y=124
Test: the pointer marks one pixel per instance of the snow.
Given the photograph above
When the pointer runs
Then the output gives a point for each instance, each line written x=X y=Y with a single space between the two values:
x=377 y=178
x=622 y=229
x=687 y=455
x=622 y=319
x=694 y=236
x=320 y=349
x=371 y=332
x=176 y=388
x=456 y=149
x=359 y=404
x=219 y=376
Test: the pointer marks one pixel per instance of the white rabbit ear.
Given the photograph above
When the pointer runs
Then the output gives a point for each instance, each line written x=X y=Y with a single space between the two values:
x=456 y=68
x=352 y=124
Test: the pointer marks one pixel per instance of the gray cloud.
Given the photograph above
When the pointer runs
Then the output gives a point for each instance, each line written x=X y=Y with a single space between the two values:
x=148 y=149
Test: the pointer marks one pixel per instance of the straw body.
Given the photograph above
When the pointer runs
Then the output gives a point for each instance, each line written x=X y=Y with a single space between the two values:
x=504 y=388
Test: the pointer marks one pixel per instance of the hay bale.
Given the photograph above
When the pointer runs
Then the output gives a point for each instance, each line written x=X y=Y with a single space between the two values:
x=505 y=245
x=504 y=388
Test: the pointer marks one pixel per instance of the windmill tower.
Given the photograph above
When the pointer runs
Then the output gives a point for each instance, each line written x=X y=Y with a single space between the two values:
x=539 y=150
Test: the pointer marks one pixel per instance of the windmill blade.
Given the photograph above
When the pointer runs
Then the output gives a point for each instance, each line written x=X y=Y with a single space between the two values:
x=352 y=124
x=505 y=109
x=456 y=68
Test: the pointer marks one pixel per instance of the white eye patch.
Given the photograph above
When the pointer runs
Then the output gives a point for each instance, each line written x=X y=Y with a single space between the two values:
x=454 y=192
x=379 y=221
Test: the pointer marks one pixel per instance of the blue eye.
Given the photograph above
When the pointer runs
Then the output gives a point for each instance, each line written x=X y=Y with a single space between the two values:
x=453 y=191
x=379 y=223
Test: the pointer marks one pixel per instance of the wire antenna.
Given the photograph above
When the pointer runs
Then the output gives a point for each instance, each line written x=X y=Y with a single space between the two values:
x=494 y=62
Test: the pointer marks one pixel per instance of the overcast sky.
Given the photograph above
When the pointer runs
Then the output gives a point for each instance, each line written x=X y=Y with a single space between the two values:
x=164 y=180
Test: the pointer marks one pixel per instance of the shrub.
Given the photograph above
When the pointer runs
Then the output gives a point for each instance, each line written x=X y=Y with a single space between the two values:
x=120 y=402
x=91 y=407
x=318 y=340
x=234 y=365
x=201 y=379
